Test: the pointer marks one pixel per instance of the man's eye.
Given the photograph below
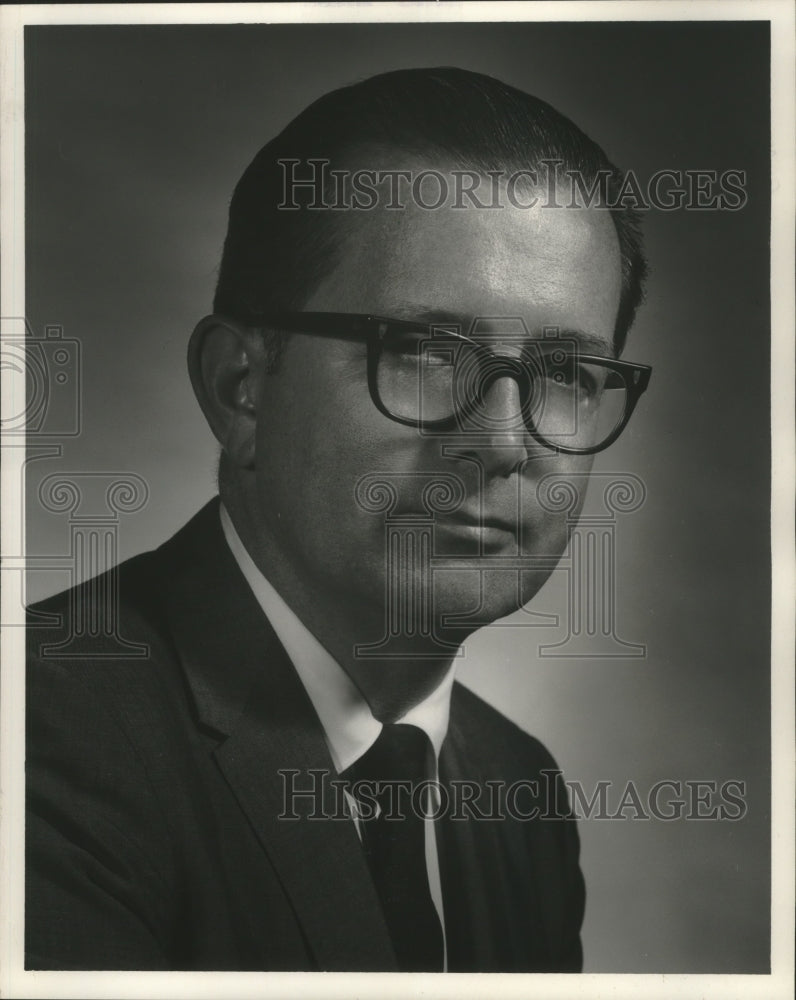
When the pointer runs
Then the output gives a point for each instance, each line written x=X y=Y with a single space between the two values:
x=438 y=357
x=574 y=376
x=430 y=352
x=408 y=345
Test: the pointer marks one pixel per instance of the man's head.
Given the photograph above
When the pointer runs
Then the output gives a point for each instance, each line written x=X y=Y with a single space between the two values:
x=273 y=257
x=301 y=436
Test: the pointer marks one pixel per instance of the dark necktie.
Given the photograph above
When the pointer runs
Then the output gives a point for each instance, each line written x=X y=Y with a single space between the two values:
x=393 y=837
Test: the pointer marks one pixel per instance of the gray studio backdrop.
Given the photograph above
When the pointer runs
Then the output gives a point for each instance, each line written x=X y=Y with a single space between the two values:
x=135 y=137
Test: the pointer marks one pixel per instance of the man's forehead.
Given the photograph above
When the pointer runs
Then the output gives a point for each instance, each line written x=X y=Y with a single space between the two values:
x=548 y=266
x=504 y=243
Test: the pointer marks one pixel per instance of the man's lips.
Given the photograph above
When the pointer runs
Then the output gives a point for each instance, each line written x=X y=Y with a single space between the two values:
x=485 y=527
x=483 y=521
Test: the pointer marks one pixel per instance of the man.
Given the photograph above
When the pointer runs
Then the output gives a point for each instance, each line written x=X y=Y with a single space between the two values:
x=394 y=387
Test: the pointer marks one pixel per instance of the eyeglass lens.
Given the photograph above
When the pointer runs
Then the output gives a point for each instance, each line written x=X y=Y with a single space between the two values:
x=566 y=401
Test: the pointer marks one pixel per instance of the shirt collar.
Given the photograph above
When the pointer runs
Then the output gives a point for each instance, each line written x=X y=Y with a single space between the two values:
x=349 y=725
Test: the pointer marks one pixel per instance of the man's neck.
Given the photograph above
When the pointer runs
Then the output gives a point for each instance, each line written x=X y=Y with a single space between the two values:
x=391 y=683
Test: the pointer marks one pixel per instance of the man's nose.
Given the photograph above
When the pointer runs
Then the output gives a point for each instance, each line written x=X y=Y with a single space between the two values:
x=495 y=434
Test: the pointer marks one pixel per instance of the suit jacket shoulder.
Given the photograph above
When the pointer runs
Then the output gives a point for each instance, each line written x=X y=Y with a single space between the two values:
x=481 y=719
x=162 y=719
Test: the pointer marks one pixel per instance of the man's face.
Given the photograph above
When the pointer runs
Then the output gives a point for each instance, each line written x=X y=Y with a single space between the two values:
x=319 y=432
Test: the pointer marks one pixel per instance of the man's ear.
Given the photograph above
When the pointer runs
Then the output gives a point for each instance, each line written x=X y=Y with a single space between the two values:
x=226 y=362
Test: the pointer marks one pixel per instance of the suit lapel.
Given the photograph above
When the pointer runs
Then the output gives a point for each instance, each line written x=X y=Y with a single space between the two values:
x=470 y=879
x=501 y=877
x=246 y=690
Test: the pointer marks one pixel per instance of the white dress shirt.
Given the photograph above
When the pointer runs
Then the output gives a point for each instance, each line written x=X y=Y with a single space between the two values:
x=349 y=726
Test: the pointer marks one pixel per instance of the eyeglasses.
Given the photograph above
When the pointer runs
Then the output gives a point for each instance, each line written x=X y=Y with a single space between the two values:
x=434 y=378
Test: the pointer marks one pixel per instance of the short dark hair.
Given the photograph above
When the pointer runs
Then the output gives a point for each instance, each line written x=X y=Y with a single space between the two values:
x=274 y=258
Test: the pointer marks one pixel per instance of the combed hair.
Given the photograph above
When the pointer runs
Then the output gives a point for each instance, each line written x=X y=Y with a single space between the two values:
x=273 y=259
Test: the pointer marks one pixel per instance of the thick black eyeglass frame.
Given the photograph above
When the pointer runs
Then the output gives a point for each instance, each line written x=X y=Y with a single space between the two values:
x=373 y=330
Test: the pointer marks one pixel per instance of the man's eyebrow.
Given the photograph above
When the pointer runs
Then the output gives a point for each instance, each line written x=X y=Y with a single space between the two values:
x=588 y=343
x=430 y=315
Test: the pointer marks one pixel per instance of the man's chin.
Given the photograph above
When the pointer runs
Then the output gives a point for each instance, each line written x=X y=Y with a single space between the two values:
x=432 y=613
x=468 y=599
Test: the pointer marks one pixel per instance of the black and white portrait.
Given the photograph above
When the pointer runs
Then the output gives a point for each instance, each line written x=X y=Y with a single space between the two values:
x=388 y=496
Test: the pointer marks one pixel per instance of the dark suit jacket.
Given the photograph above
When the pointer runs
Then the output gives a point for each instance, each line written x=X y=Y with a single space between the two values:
x=154 y=794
